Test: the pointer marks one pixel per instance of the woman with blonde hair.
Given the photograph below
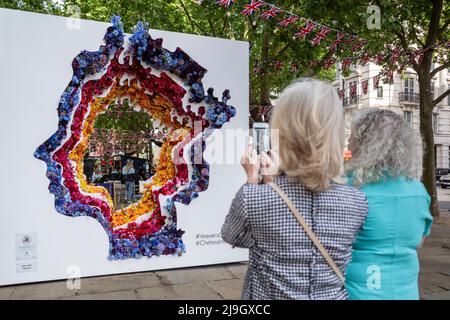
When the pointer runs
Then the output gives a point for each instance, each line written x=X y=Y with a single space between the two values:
x=384 y=261
x=301 y=222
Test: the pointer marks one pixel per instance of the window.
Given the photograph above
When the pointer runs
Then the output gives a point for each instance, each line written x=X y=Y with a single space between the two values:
x=407 y=116
x=379 y=92
x=409 y=85
x=435 y=123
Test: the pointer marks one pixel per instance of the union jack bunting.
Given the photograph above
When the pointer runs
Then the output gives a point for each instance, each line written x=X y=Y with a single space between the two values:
x=294 y=68
x=271 y=13
x=349 y=39
x=253 y=6
x=394 y=56
x=413 y=56
x=365 y=86
x=358 y=45
x=322 y=34
x=313 y=63
x=364 y=59
x=389 y=75
x=376 y=81
x=379 y=57
x=346 y=63
x=279 y=65
x=288 y=21
x=307 y=29
x=329 y=63
x=339 y=38
x=225 y=3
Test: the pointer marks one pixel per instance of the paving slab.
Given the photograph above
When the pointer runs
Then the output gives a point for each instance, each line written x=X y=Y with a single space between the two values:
x=193 y=275
x=115 y=295
x=238 y=270
x=118 y=283
x=193 y=291
x=6 y=292
x=228 y=289
x=437 y=296
x=42 y=291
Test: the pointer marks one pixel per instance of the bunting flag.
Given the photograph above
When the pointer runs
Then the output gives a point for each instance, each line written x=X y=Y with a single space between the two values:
x=365 y=86
x=376 y=82
x=279 y=65
x=389 y=75
x=294 y=68
x=346 y=62
x=352 y=90
x=253 y=6
x=225 y=3
x=413 y=56
x=307 y=29
x=350 y=39
x=322 y=34
x=329 y=63
x=271 y=13
x=339 y=38
x=313 y=63
x=394 y=55
x=361 y=43
x=288 y=21
x=364 y=58
x=379 y=57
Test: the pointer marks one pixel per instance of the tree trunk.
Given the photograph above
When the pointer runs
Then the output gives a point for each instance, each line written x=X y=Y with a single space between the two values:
x=427 y=134
x=264 y=78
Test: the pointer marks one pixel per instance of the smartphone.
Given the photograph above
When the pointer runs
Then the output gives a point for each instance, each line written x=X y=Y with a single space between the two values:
x=261 y=137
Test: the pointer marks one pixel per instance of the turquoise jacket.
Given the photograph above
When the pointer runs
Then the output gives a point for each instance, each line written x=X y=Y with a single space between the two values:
x=385 y=262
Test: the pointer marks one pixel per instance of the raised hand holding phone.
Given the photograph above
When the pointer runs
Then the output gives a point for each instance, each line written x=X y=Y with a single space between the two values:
x=250 y=163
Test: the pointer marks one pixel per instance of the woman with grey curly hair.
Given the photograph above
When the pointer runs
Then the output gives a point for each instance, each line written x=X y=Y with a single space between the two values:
x=384 y=260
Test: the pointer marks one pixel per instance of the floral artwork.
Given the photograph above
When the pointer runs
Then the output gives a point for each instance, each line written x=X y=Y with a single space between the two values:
x=122 y=69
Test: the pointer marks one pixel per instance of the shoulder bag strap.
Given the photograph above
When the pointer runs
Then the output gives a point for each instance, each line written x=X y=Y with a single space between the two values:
x=308 y=231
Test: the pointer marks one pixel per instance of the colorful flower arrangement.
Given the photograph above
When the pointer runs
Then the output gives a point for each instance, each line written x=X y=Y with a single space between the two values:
x=148 y=227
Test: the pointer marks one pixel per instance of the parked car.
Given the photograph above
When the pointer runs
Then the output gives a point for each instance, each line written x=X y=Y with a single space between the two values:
x=440 y=172
x=445 y=181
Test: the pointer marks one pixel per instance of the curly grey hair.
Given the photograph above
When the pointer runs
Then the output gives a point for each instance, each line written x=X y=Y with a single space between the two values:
x=382 y=146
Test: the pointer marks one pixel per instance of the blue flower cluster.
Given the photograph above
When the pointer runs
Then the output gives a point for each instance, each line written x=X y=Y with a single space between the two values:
x=164 y=242
x=219 y=113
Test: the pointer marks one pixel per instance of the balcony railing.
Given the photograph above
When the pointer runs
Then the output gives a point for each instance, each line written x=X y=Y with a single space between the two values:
x=349 y=101
x=409 y=97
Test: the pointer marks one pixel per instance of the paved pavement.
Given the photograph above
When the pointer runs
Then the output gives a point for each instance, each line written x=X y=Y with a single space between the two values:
x=225 y=281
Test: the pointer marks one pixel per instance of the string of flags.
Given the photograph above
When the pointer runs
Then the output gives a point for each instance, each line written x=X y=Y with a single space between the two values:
x=316 y=33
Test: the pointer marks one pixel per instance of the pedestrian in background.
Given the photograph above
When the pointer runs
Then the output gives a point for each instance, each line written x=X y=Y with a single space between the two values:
x=128 y=174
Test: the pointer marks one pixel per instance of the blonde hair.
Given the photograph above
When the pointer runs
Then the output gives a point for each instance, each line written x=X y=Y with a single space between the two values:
x=310 y=124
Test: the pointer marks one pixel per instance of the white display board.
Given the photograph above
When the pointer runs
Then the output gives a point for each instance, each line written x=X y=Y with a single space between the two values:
x=36 y=242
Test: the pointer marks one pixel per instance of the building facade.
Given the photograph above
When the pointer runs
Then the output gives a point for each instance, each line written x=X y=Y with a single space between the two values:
x=402 y=97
